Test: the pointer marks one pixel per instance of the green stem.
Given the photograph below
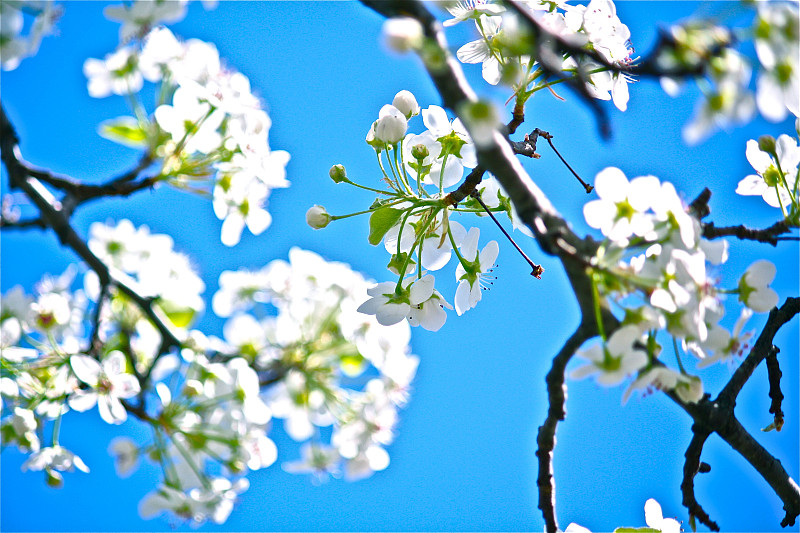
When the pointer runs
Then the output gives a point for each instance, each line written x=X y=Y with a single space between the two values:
x=597 y=314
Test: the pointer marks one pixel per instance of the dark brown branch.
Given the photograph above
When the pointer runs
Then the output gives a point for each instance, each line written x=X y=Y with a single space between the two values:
x=761 y=349
x=691 y=467
x=700 y=209
x=472 y=180
x=52 y=213
x=774 y=376
x=718 y=416
x=768 y=235
x=6 y=223
x=556 y=412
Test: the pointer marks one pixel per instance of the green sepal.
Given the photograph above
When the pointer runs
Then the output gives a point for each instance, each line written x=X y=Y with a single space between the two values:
x=125 y=131
x=451 y=144
x=381 y=221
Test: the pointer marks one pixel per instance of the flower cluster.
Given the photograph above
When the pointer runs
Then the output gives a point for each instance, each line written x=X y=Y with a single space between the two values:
x=336 y=367
x=413 y=215
x=654 y=264
x=727 y=97
x=208 y=132
x=503 y=47
x=14 y=46
x=294 y=348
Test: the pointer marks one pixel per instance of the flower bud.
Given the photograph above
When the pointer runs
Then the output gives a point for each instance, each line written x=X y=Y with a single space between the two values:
x=338 y=174
x=402 y=34
x=420 y=151
x=391 y=125
x=766 y=143
x=317 y=217
x=405 y=102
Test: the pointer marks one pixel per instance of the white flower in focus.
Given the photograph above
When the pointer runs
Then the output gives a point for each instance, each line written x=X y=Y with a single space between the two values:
x=430 y=313
x=108 y=384
x=471 y=9
x=654 y=518
x=768 y=183
x=390 y=304
x=621 y=209
x=117 y=73
x=754 y=288
x=481 y=51
x=451 y=170
x=402 y=34
x=472 y=277
x=139 y=17
x=615 y=360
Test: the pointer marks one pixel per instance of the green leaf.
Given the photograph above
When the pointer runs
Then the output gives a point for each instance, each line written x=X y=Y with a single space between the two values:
x=636 y=530
x=380 y=221
x=125 y=131
x=181 y=316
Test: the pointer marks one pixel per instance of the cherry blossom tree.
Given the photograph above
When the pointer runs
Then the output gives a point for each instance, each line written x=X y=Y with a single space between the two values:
x=319 y=346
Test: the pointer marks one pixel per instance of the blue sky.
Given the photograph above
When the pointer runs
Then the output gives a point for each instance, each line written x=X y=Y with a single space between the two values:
x=464 y=455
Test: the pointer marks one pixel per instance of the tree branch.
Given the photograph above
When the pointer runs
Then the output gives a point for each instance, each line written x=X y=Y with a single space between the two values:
x=761 y=349
x=774 y=375
x=53 y=215
x=691 y=467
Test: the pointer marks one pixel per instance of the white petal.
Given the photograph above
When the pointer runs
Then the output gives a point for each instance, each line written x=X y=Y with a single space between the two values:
x=389 y=314
x=258 y=220
x=87 y=369
x=611 y=184
x=473 y=52
x=421 y=290
x=436 y=121
x=653 y=515
x=462 y=297
x=489 y=255
x=232 y=229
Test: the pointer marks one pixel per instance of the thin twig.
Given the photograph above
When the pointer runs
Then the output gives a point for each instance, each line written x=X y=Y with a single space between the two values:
x=536 y=270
